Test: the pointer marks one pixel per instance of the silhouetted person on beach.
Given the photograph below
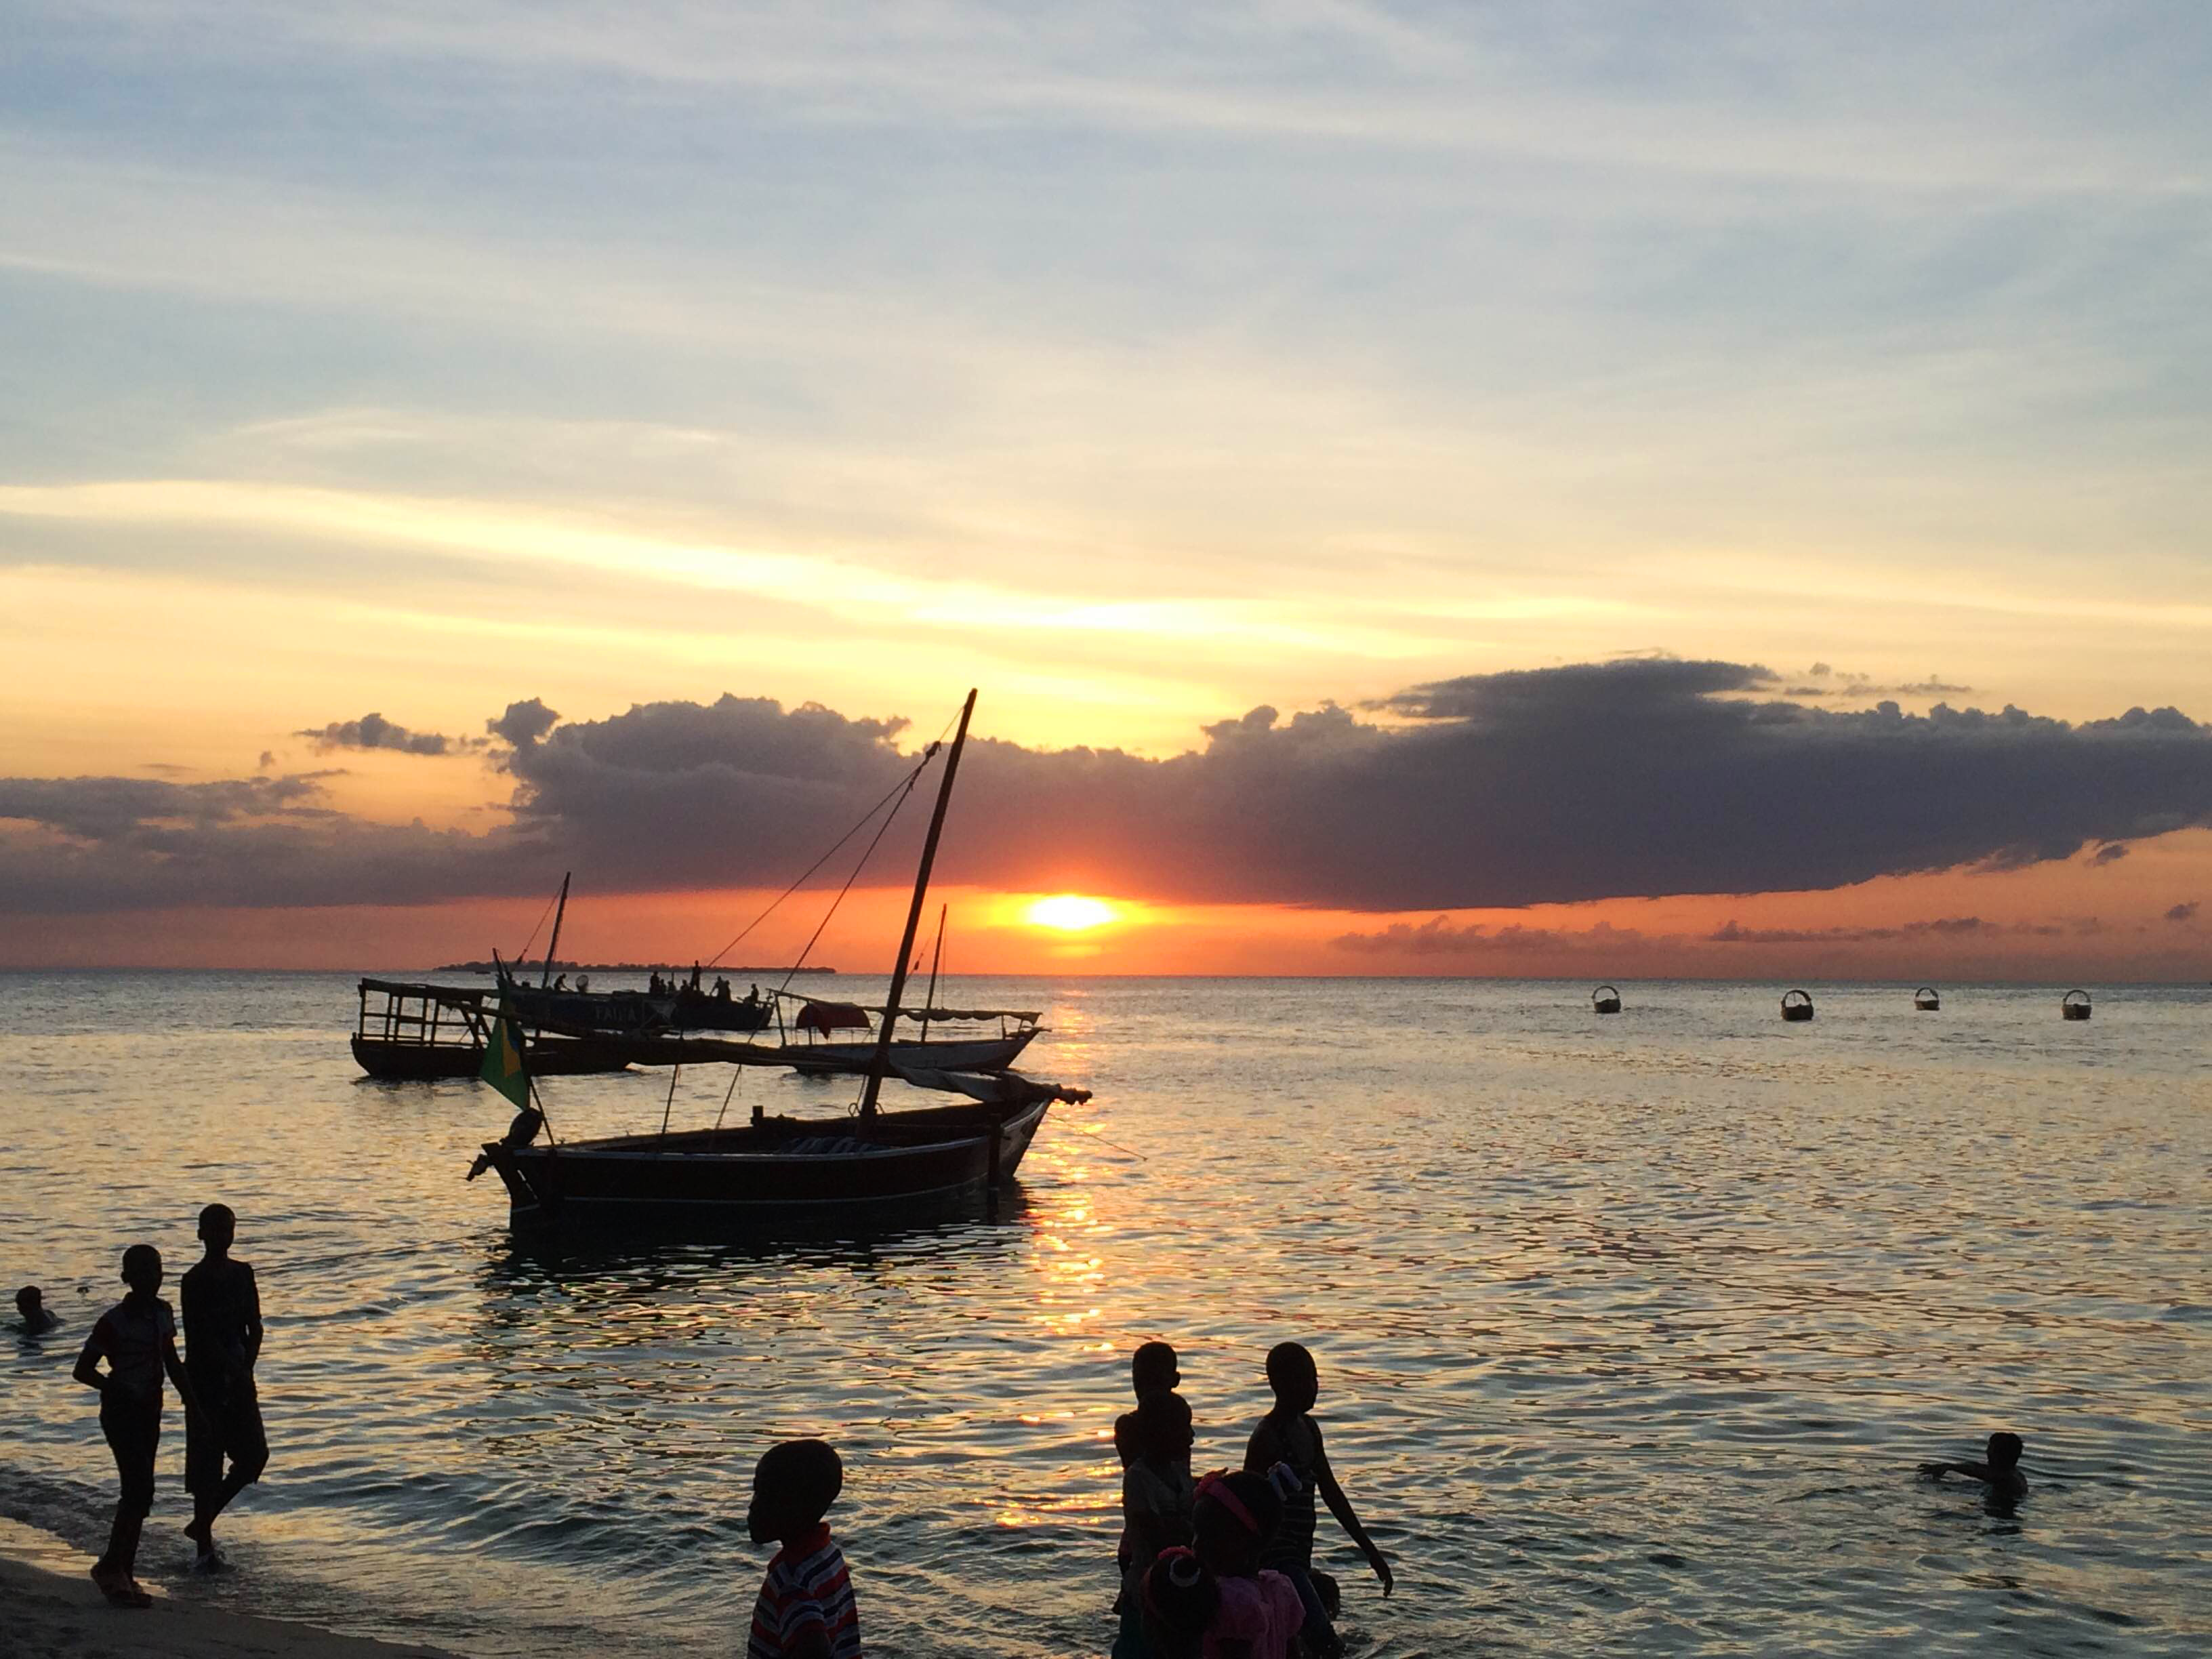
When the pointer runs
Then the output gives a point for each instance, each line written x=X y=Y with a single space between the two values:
x=805 y=1609
x=31 y=1306
x=1156 y=1503
x=1289 y=1435
x=138 y=1338
x=1999 y=1472
x=1233 y=1521
x=223 y=1342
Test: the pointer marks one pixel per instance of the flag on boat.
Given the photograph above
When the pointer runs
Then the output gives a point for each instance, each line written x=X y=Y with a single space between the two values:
x=502 y=1065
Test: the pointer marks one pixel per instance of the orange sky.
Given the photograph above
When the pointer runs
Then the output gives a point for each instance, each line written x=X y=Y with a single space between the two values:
x=2074 y=922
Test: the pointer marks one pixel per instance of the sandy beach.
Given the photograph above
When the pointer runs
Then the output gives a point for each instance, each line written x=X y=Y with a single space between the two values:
x=50 y=1611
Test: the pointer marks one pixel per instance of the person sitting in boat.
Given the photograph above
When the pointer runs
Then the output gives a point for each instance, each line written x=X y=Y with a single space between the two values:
x=37 y=1318
x=1999 y=1472
x=721 y=989
x=560 y=982
x=520 y=1133
x=806 y=1609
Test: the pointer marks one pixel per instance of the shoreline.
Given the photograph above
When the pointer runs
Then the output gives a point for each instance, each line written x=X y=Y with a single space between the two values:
x=51 y=1610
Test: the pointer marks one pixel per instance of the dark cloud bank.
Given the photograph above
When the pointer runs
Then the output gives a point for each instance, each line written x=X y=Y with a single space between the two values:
x=374 y=731
x=1635 y=778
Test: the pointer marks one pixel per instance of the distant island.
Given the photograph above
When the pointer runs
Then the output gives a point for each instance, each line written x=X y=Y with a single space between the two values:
x=528 y=968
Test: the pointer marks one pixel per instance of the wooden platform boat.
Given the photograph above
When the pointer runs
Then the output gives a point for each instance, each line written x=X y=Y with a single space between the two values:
x=1796 y=1005
x=2074 y=1005
x=775 y=1167
x=1924 y=1000
x=1606 y=999
x=421 y=1033
x=411 y=1033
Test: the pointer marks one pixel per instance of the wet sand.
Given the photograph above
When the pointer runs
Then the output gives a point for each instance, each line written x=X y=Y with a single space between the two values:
x=51 y=1610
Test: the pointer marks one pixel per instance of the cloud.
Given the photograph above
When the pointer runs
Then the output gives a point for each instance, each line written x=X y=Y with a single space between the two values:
x=1734 y=932
x=374 y=731
x=2184 y=912
x=1440 y=937
x=2111 y=853
x=1634 y=778
x=523 y=723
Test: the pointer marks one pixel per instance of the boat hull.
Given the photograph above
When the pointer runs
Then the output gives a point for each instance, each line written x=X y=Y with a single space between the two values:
x=981 y=1054
x=835 y=1165
x=424 y=1062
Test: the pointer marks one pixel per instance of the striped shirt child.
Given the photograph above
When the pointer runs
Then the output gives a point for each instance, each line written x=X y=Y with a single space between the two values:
x=807 y=1588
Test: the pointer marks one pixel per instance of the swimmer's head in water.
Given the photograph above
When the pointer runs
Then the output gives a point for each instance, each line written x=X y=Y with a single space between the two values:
x=1153 y=1366
x=218 y=1225
x=2004 y=1450
x=1293 y=1376
x=29 y=1300
x=794 y=1484
x=141 y=1268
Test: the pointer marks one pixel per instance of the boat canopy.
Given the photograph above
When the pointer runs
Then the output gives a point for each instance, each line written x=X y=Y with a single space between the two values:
x=1028 y=1016
x=826 y=1017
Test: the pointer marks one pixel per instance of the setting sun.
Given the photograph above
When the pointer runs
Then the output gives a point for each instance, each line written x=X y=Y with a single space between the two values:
x=1070 y=913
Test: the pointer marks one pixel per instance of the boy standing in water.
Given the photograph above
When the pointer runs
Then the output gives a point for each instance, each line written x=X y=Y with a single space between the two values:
x=1289 y=1435
x=805 y=1609
x=138 y=1338
x=1151 y=1367
x=2000 y=1473
x=223 y=1341
x=1156 y=1500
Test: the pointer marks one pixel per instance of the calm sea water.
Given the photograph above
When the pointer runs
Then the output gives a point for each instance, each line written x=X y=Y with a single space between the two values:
x=1630 y=1330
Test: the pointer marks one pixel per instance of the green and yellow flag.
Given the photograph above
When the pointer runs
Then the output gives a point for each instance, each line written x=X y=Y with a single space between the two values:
x=502 y=1065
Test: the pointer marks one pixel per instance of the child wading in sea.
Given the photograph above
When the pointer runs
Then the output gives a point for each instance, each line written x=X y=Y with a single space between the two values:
x=805 y=1609
x=37 y=1318
x=2000 y=1474
x=1151 y=1368
x=1288 y=1435
x=138 y=1338
x=1156 y=1500
x=1257 y=1614
x=223 y=1341
x=1181 y=1598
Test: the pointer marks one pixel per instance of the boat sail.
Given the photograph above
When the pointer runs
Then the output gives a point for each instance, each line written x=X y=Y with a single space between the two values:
x=780 y=1165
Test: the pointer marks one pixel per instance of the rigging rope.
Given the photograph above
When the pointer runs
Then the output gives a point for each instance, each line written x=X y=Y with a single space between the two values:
x=889 y=817
x=901 y=789
x=522 y=954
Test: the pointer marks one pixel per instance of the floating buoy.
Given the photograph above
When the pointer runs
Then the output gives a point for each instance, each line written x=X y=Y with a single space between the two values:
x=1606 y=999
x=1797 y=1005
x=1925 y=999
x=2074 y=1005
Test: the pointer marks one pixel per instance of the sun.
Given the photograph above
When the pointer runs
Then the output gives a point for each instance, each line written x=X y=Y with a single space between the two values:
x=1070 y=913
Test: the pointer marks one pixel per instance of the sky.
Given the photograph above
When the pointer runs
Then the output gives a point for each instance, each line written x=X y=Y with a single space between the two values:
x=1604 y=490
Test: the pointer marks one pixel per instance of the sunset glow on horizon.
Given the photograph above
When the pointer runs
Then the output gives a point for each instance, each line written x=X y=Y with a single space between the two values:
x=1759 y=512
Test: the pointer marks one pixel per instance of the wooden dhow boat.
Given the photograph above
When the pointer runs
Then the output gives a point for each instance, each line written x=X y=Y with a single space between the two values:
x=780 y=1166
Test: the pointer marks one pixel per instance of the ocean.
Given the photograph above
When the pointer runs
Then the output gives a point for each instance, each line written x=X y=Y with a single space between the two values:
x=1630 y=1330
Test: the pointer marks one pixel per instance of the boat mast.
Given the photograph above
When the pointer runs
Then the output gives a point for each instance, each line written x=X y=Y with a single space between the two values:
x=546 y=981
x=881 y=1061
x=936 y=961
